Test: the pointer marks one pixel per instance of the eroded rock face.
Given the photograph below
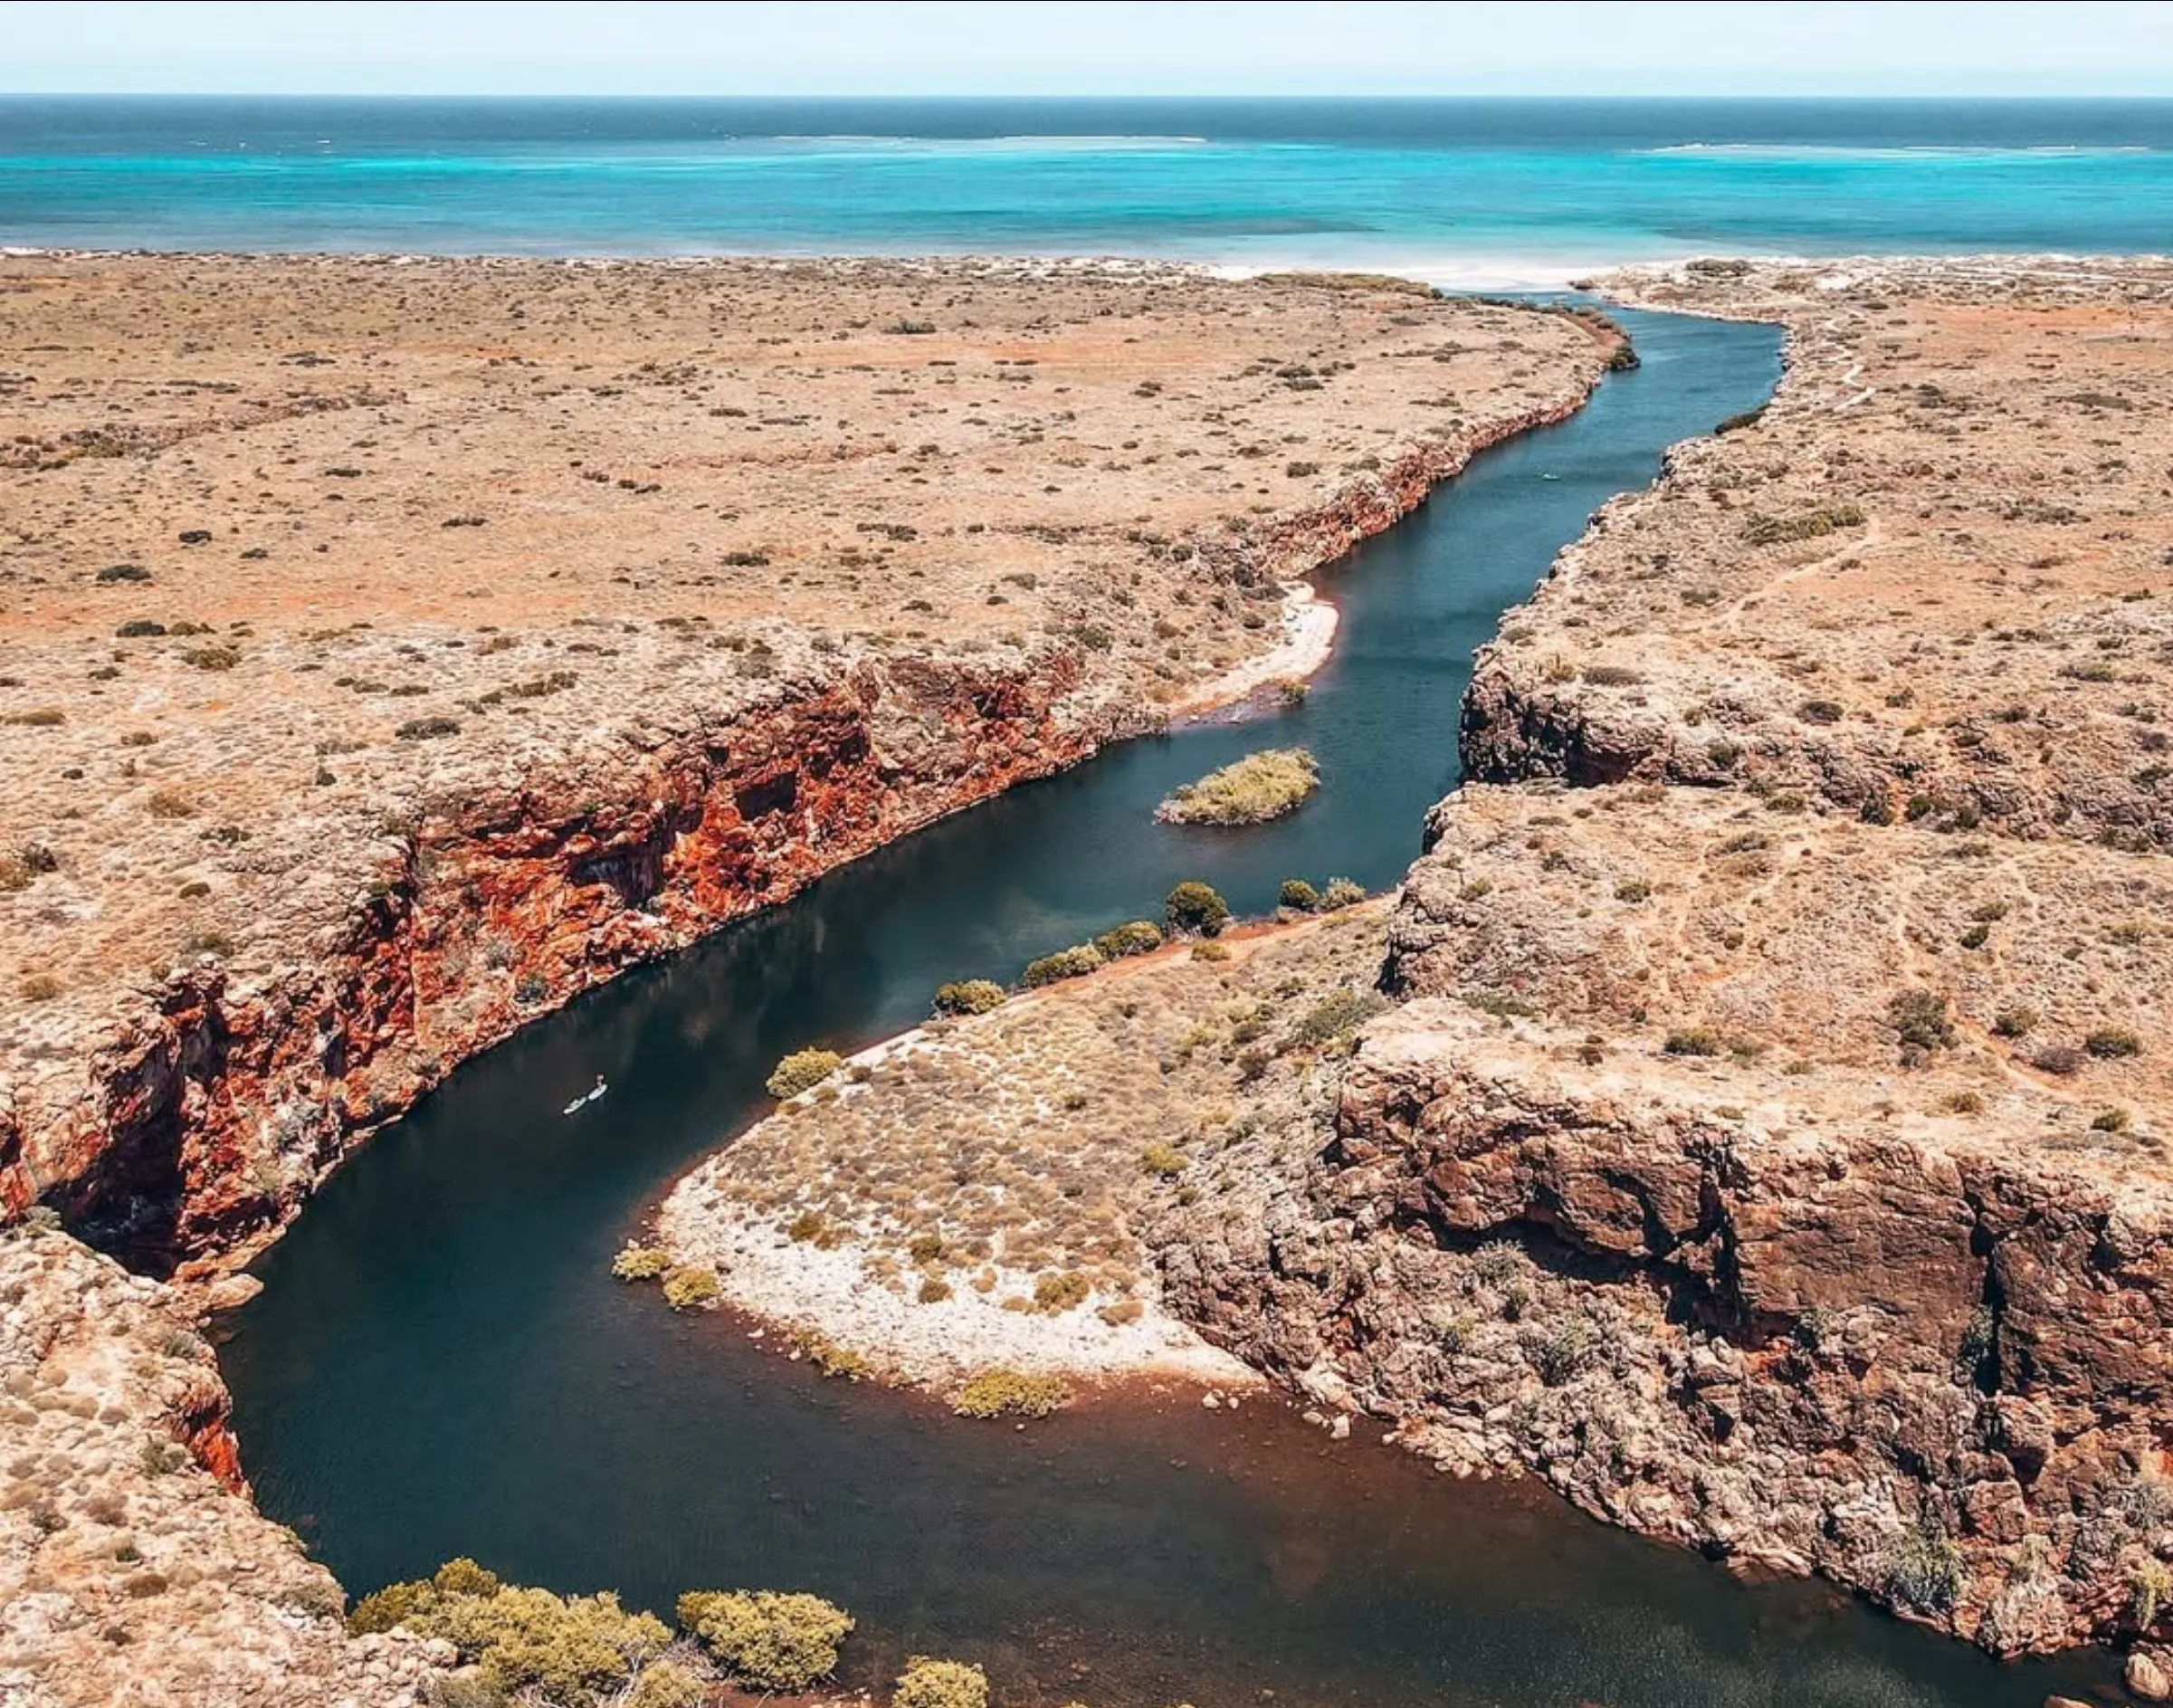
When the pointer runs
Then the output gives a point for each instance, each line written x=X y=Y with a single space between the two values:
x=1832 y=1348
x=1769 y=1150
x=1921 y=585
x=207 y=1120
x=133 y=1568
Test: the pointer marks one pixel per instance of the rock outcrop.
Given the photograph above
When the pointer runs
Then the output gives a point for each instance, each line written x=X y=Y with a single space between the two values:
x=133 y=1568
x=1770 y=1149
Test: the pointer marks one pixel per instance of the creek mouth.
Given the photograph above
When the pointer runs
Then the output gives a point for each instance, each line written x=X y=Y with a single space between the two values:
x=439 y=1364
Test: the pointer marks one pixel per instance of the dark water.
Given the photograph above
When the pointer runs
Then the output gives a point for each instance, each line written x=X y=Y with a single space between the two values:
x=1497 y=191
x=439 y=1364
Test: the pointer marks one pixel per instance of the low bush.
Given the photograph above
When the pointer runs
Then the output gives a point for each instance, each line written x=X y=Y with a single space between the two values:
x=1298 y=895
x=1333 y=1017
x=1065 y=963
x=1920 y=1021
x=1248 y=791
x=1762 y=530
x=1135 y=937
x=690 y=1286
x=665 y=1685
x=1009 y=1393
x=801 y=1071
x=933 y=1684
x=572 y=1652
x=1340 y=894
x=1054 y=1293
x=2108 y=1043
x=1164 y=1159
x=969 y=996
x=1194 y=907
x=1694 y=1041
x=1923 y=1569
x=765 y=1638
x=641 y=1263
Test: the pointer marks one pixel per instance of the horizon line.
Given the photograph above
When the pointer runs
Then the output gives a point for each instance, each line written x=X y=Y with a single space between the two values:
x=1370 y=98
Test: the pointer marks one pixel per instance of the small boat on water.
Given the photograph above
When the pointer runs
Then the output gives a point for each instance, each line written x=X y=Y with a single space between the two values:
x=586 y=1097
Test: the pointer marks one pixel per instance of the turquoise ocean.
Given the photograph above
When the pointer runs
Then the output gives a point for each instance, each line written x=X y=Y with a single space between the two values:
x=1510 y=192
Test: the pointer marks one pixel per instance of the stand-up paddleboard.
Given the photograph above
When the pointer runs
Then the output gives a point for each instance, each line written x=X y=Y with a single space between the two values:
x=586 y=1097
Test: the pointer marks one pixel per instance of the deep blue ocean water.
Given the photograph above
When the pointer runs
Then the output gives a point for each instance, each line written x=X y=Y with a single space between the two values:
x=1512 y=191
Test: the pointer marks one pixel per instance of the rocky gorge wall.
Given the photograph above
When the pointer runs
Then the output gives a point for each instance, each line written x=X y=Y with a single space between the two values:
x=218 y=1104
x=1769 y=1147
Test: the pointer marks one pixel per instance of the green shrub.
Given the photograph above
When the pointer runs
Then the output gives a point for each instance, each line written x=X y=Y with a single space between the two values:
x=463 y=1577
x=1009 y=1393
x=1194 y=907
x=1920 y=1021
x=382 y=1610
x=932 y=1684
x=1340 y=894
x=1772 y=530
x=1298 y=895
x=801 y=1071
x=839 y=1362
x=767 y=1639
x=689 y=1285
x=1334 y=1016
x=577 y=1651
x=2107 y=1043
x=1054 y=1293
x=427 y=729
x=1135 y=937
x=1923 y=1569
x=970 y=995
x=1211 y=951
x=641 y=1263
x=1248 y=791
x=1065 y=963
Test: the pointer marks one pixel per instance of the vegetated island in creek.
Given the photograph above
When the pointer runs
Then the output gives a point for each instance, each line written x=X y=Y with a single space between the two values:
x=395 y=647
x=1751 y=1115
x=1248 y=791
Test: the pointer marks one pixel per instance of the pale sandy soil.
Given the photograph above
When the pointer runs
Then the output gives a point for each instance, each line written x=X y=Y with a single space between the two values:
x=975 y=1193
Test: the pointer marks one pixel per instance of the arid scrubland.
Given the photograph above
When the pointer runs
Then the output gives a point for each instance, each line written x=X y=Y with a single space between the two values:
x=1766 y=1139
x=391 y=648
x=978 y=1193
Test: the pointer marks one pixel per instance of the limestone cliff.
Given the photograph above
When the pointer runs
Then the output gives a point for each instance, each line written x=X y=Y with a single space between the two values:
x=1770 y=1148
x=133 y=1568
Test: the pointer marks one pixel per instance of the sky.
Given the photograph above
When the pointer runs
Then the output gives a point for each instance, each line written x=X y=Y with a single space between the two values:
x=1107 y=47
